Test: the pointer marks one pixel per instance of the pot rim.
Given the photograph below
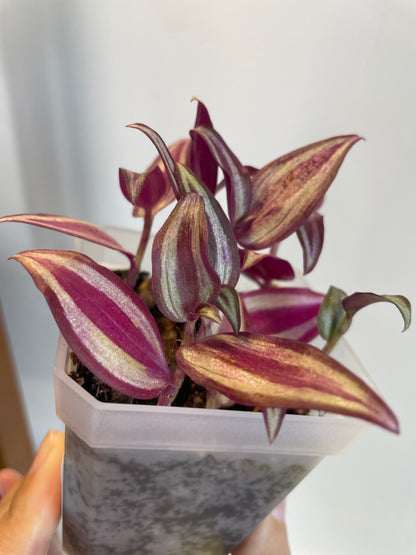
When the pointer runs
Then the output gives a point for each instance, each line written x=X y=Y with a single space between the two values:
x=122 y=426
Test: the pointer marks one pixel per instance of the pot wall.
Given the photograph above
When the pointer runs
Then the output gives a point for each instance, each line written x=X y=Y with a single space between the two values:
x=178 y=481
x=171 y=502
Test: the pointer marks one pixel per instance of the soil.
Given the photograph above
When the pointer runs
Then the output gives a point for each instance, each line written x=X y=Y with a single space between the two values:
x=189 y=395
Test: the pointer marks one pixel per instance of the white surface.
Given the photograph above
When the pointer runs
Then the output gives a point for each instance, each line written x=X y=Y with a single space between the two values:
x=275 y=75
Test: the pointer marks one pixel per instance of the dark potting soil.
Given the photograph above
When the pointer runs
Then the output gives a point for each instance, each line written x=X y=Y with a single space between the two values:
x=190 y=393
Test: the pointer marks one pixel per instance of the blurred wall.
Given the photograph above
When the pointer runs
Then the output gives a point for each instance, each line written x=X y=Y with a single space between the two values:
x=275 y=75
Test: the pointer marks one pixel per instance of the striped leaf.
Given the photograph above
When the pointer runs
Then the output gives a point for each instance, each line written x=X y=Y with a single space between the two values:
x=104 y=322
x=264 y=372
x=183 y=278
x=237 y=177
x=311 y=238
x=70 y=226
x=222 y=246
x=289 y=312
x=286 y=191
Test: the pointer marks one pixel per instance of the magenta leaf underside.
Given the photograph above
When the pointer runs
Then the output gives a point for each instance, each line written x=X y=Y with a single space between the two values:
x=265 y=268
x=70 y=226
x=285 y=311
x=201 y=161
x=311 y=238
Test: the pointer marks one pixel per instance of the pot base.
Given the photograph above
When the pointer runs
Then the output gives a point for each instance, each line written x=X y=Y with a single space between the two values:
x=170 y=502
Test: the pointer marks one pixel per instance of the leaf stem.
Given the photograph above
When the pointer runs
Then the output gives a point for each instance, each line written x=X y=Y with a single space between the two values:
x=144 y=239
x=336 y=335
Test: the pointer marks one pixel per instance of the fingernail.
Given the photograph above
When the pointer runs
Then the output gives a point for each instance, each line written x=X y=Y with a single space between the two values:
x=45 y=449
x=279 y=511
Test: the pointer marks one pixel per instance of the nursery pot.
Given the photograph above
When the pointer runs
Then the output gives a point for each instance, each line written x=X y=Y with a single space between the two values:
x=180 y=481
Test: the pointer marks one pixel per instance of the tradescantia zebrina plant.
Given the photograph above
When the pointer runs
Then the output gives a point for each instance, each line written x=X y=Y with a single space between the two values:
x=247 y=348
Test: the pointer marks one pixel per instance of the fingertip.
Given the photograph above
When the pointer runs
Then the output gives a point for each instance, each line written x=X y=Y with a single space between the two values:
x=8 y=477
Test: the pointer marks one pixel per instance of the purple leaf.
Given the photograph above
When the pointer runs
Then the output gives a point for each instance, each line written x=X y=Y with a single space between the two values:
x=273 y=419
x=311 y=238
x=76 y=228
x=131 y=184
x=149 y=192
x=264 y=371
x=222 y=246
x=353 y=303
x=183 y=278
x=201 y=161
x=263 y=268
x=165 y=155
x=104 y=322
x=288 y=190
x=202 y=114
x=286 y=311
x=237 y=177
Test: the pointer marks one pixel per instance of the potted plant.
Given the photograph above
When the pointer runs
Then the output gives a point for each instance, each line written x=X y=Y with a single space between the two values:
x=152 y=470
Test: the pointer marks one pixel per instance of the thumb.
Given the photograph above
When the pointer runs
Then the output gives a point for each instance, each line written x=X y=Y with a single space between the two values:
x=31 y=509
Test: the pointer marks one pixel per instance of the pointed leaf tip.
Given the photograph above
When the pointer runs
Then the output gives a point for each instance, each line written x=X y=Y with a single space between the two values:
x=355 y=302
x=286 y=191
x=183 y=278
x=265 y=371
x=104 y=321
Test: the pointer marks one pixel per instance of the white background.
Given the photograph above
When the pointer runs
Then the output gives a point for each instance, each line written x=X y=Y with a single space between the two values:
x=275 y=75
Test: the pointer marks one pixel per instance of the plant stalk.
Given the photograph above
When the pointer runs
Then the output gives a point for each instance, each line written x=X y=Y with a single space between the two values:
x=144 y=239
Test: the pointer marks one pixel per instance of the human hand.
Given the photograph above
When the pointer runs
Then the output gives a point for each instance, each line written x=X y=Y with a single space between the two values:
x=30 y=509
x=30 y=506
x=269 y=538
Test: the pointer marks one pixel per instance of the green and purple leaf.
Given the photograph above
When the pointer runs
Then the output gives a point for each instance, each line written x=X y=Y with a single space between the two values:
x=104 y=322
x=332 y=318
x=285 y=311
x=237 y=177
x=286 y=191
x=338 y=309
x=70 y=226
x=355 y=302
x=264 y=372
x=311 y=238
x=183 y=278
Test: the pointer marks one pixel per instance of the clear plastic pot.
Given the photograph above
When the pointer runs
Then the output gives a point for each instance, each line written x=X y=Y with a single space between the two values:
x=179 y=481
